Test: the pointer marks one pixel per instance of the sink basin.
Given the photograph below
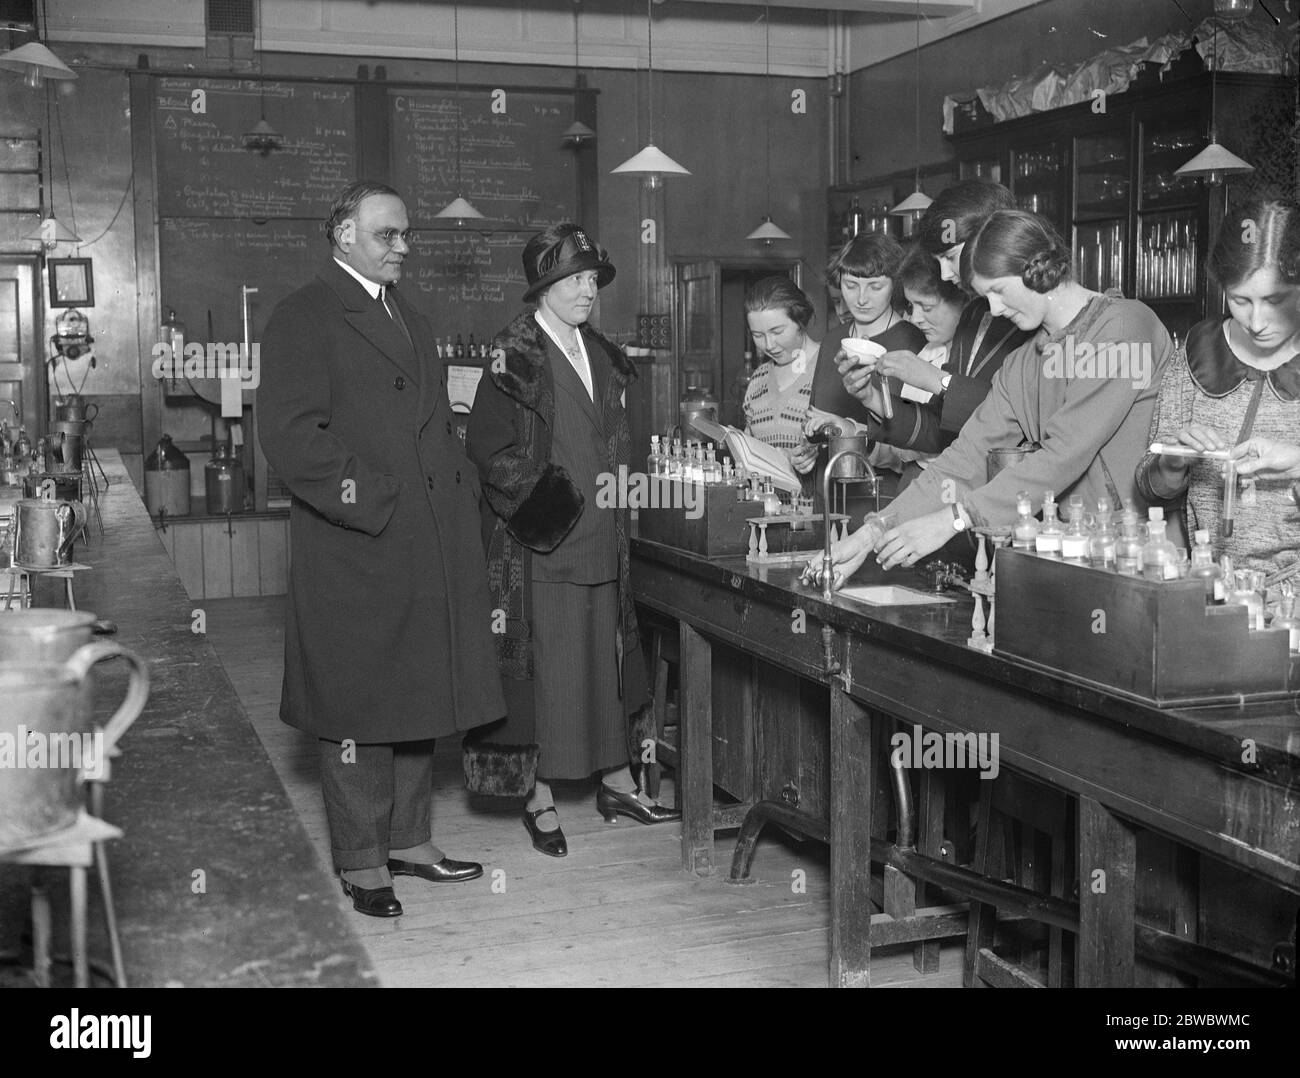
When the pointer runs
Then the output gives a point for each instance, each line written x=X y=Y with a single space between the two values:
x=892 y=595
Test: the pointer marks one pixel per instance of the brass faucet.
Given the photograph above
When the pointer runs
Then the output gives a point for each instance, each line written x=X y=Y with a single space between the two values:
x=828 y=575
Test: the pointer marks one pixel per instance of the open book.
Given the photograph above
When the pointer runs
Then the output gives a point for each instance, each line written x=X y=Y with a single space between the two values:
x=755 y=457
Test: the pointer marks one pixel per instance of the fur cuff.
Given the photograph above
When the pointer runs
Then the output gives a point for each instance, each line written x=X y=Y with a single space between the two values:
x=549 y=513
x=500 y=770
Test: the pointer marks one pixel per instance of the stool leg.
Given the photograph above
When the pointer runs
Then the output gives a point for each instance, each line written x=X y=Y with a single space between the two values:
x=41 y=933
x=80 y=962
x=110 y=914
x=72 y=602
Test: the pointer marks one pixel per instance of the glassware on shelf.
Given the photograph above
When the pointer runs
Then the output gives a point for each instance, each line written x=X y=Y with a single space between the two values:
x=1167 y=256
x=1099 y=255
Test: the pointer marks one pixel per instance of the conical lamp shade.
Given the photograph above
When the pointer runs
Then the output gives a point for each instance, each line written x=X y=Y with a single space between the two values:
x=51 y=231
x=651 y=161
x=263 y=137
x=1213 y=163
x=913 y=205
x=36 y=62
x=578 y=132
x=459 y=210
x=768 y=232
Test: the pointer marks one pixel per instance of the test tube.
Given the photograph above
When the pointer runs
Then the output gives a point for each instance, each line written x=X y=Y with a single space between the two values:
x=1229 y=496
x=886 y=405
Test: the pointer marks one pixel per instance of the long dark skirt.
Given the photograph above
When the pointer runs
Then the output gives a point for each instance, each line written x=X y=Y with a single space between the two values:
x=581 y=723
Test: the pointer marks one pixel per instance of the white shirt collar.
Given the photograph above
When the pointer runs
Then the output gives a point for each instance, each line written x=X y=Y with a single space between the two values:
x=376 y=290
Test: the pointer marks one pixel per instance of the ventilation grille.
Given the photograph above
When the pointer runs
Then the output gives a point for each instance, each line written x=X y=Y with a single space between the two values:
x=230 y=16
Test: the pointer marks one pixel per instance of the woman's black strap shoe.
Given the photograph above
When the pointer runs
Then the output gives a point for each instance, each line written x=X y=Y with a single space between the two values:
x=551 y=843
x=610 y=803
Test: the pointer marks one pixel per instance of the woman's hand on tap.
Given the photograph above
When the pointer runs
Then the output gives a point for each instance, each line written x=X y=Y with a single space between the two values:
x=1267 y=459
x=847 y=556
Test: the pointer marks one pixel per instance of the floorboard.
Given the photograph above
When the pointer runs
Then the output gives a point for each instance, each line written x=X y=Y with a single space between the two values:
x=618 y=911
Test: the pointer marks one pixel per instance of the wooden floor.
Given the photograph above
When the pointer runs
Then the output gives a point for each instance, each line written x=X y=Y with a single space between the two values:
x=617 y=911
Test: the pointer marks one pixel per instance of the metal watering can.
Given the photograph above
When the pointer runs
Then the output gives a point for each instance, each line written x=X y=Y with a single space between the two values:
x=48 y=742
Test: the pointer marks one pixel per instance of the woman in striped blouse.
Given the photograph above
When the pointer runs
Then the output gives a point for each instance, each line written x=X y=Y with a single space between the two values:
x=777 y=399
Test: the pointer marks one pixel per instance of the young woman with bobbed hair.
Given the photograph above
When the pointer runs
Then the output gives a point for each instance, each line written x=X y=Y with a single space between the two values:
x=1087 y=424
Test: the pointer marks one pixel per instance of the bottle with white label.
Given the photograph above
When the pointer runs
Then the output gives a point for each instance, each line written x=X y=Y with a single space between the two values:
x=1204 y=567
x=1048 y=539
x=1159 y=555
x=1074 y=541
x=1286 y=618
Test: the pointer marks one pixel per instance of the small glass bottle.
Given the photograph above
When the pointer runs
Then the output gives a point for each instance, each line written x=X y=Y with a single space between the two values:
x=22 y=446
x=1158 y=553
x=675 y=460
x=1203 y=567
x=1286 y=619
x=1026 y=527
x=1246 y=590
x=1074 y=540
x=771 y=500
x=712 y=469
x=655 y=459
x=1048 y=540
x=1128 y=547
x=1101 y=545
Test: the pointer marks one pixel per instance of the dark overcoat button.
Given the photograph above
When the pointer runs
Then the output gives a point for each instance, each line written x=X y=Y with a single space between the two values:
x=448 y=428
x=430 y=482
x=458 y=477
x=399 y=382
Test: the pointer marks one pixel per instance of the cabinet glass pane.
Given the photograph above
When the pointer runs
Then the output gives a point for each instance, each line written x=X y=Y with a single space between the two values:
x=1101 y=174
x=1168 y=256
x=981 y=168
x=1166 y=146
x=1036 y=180
x=1099 y=255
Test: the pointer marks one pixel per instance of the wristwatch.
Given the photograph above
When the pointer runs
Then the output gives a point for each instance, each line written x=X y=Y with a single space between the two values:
x=958 y=521
x=944 y=382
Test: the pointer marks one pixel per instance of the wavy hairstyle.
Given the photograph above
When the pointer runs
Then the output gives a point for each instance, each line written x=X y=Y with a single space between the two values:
x=1013 y=243
x=958 y=211
x=920 y=272
x=779 y=293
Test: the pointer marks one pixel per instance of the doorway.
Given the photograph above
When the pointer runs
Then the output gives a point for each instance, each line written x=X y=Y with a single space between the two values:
x=713 y=335
x=22 y=360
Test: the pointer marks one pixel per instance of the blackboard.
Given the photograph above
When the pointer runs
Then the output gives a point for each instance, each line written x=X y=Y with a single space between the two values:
x=205 y=171
x=513 y=165
x=206 y=260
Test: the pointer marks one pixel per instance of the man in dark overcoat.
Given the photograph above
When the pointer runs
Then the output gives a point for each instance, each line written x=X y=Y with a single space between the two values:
x=388 y=641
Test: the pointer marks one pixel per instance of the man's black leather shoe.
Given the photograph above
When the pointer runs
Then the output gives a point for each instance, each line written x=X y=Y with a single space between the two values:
x=445 y=871
x=373 y=901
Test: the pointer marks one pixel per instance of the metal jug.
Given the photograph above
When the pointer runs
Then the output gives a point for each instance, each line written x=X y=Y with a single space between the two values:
x=1004 y=457
x=46 y=634
x=44 y=532
x=48 y=742
x=75 y=409
x=69 y=439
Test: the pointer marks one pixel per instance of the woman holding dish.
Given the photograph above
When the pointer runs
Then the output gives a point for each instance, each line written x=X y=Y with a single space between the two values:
x=1089 y=432
x=1234 y=389
x=863 y=270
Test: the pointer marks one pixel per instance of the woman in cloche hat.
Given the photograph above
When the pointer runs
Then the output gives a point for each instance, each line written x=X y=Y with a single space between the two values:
x=548 y=421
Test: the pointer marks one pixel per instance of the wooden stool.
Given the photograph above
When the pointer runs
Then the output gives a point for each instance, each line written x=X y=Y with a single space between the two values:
x=21 y=585
x=75 y=849
x=1024 y=834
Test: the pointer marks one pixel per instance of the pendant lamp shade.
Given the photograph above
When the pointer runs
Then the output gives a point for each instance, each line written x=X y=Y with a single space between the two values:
x=578 y=133
x=52 y=231
x=263 y=138
x=36 y=63
x=459 y=210
x=652 y=162
x=768 y=232
x=913 y=205
x=1213 y=163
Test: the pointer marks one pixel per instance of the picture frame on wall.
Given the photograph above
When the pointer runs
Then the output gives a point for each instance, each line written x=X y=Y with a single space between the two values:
x=72 y=283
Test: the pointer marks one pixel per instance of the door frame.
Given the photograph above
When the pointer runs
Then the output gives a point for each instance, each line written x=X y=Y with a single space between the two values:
x=31 y=332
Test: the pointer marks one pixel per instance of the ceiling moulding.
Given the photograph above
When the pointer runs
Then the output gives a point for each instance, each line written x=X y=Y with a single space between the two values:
x=872 y=41
x=933 y=9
